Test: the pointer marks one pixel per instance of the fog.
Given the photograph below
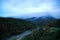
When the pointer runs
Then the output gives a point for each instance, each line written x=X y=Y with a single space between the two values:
x=22 y=8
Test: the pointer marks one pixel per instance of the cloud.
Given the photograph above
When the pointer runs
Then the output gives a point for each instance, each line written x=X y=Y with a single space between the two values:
x=22 y=7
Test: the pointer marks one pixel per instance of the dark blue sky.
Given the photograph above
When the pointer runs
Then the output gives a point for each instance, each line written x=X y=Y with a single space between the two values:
x=14 y=8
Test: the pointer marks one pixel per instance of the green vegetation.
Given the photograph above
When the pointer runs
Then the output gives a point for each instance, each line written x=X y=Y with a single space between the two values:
x=51 y=32
x=12 y=26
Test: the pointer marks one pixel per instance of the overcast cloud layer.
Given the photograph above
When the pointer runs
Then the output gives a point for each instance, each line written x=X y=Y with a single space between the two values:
x=14 y=8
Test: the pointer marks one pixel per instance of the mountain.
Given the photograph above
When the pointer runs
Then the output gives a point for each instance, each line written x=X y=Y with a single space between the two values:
x=31 y=19
x=51 y=32
x=13 y=26
x=41 y=20
x=56 y=23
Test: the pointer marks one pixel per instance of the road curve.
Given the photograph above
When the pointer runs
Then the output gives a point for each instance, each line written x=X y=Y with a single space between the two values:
x=22 y=35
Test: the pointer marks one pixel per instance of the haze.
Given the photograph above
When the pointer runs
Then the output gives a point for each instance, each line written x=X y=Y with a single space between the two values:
x=14 y=8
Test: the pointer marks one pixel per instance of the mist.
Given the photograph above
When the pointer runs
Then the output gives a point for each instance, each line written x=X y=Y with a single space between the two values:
x=28 y=8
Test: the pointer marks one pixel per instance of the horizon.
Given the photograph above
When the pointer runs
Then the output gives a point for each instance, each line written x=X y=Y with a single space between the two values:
x=29 y=8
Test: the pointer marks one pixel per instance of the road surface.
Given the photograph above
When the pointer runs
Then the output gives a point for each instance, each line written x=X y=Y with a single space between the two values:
x=22 y=35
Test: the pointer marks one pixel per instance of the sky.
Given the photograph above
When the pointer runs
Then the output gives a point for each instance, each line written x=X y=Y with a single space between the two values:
x=22 y=8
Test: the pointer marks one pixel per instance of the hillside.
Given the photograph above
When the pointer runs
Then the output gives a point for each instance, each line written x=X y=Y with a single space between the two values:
x=56 y=23
x=51 y=32
x=40 y=21
x=12 y=26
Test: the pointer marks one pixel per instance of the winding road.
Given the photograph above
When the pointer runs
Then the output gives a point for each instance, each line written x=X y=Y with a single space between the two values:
x=22 y=35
